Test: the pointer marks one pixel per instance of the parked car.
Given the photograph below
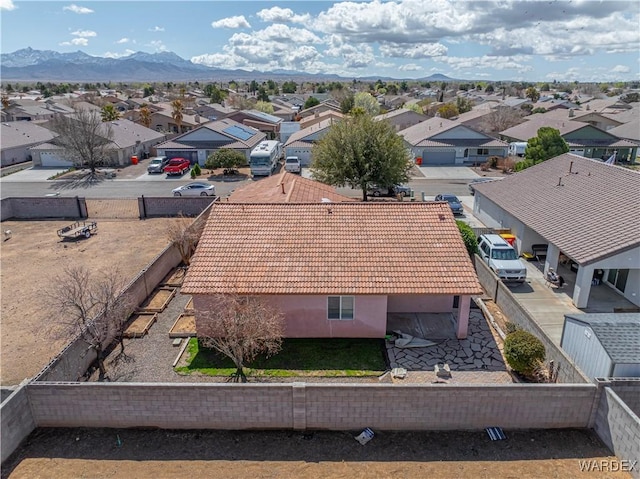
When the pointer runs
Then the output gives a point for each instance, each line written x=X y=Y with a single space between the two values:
x=454 y=202
x=157 y=164
x=393 y=190
x=177 y=166
x=195 y=189
x=292 y=164
x=483 y=179
x=502 y=258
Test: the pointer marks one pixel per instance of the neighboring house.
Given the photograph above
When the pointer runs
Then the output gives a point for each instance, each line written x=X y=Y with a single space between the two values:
x=163 y=121
x=592 y=118
x=629 y=131
x=198 y=144
x=336 y=269
x=16 y=137
x=286 y=188
x=288 y=128
x=581 y=208
x=603 y=345
x=264 y=122
x=301 y=142
x=476 y=118
x=318 y=117
x=31 y=110
x=324 y=106
x=402 y=119
x=582 y=138
x=129 y=139
x=213 y=111
x=438 y=141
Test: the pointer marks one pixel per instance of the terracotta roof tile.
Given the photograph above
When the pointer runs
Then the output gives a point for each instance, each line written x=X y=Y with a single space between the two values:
x=331 y=248
x=591 y=216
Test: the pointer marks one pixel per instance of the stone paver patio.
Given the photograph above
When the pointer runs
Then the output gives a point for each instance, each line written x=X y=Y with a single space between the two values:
x=477 y=353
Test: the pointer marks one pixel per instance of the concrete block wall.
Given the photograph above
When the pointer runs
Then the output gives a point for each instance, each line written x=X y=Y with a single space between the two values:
x=16 y=421
x=310 y=406
x=619 y=428
x=173 y=206
x=569 y=372
x=179 y=406
x=34 y=208
x=627 y=389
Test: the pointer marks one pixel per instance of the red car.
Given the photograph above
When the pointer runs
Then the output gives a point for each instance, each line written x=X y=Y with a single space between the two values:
x=177 y=166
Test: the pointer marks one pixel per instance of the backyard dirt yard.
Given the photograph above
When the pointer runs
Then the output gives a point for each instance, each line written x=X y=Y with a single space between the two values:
x=30 y=260
x=115 y=453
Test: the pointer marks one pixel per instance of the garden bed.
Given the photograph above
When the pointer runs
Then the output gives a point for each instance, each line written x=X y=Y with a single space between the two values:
x=159 y=300
x=184 y=326
x=140 y=325
x=175 y=277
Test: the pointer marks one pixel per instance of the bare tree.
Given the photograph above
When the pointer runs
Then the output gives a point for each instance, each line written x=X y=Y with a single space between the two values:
x=86 y=140
x=500 y=119
x=93 y=306
x=184 y=234
x=241 y=328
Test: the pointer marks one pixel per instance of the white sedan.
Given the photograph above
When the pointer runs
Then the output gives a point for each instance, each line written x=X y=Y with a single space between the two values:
x=195 y=189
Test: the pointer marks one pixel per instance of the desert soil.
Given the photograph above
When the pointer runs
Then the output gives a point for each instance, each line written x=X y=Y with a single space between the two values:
x=30 y=261
x=109 y=453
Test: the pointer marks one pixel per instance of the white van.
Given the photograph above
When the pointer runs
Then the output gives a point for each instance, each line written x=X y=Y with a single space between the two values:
x=501 y=258
x=292 y=164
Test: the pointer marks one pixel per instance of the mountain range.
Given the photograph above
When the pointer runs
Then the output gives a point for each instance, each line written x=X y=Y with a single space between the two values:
x=31 y=65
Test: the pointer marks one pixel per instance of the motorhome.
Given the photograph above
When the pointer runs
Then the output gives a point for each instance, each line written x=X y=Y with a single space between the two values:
x=517 y=148
x=264 y=158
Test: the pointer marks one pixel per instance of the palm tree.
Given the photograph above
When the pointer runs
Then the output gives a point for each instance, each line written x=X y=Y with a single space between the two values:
x=109 y=113
x=176 y=114
x=145 y=116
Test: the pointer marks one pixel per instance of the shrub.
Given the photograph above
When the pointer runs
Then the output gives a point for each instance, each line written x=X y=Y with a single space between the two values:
x=469 y=237
x=523 y=352
x=197 y=169
x=511 y=327
x=193 y=174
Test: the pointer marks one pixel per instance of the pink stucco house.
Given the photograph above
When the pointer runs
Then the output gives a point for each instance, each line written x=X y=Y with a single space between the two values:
x=336 y=269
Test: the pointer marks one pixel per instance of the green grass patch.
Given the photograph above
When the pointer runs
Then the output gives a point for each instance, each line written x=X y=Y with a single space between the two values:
x=298 y=358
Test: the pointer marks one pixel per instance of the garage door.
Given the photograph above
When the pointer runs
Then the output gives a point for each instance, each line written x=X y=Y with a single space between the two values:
x=53 y=159
x=304 y=154
x=190 y=155
x=438 y=157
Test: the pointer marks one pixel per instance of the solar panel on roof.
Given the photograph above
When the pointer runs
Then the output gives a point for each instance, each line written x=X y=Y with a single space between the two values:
x=239 y=132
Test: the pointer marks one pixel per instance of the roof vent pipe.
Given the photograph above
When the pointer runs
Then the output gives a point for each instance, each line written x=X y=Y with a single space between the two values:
x=570 y=166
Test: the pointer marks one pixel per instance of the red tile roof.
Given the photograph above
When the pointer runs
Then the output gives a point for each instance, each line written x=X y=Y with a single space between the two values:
x=286 y=188
x=591 y=216
x=331 y=248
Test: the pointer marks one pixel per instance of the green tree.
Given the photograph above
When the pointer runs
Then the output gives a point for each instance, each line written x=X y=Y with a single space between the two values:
x=532 y=94
x=463 y=104
x=289 y=87
x=413 y=107
x=489 y=89
x=360 y=152
x=367 y=102
x=347 y=104
x=145 y=116
x=214 y=93
x=109 y=113
x=547 y=144
x=262 y=94
x=253 y=86
x=448 y=111
x=311 y=102
x=264 y=107
x=226 y=158
x=176 y=113
x=148 y=90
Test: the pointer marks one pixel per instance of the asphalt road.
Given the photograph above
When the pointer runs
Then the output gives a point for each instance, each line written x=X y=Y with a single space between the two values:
x=32 y=183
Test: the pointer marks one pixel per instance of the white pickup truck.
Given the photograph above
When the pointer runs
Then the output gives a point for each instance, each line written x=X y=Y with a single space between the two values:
x=292 y=164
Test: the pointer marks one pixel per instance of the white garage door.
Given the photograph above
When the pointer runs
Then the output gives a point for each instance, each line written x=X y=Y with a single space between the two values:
x=49 y=158
x=438 y=157
x=304 y=154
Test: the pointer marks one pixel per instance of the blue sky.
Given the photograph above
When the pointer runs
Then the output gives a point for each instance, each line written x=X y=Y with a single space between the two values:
x=546 y=40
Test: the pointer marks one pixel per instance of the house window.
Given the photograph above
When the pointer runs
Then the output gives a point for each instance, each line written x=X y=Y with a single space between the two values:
x=483 y=151
x=340 y=307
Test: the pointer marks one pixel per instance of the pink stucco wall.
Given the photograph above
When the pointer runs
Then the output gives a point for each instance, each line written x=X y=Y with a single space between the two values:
x=419 y=303
x=306 y=316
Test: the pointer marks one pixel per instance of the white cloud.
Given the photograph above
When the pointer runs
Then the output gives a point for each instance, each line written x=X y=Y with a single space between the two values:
x=282 y=15
x=488 y=62
x=409 y=67
x=157 y=45
x=83 y=42
x=84 y=33
x=156 y=29
x=7 y=5
x=621 y=69
x=231 y=22
x=417 y=50
x=123 y=40
x=126 y=53
x=77 y=9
